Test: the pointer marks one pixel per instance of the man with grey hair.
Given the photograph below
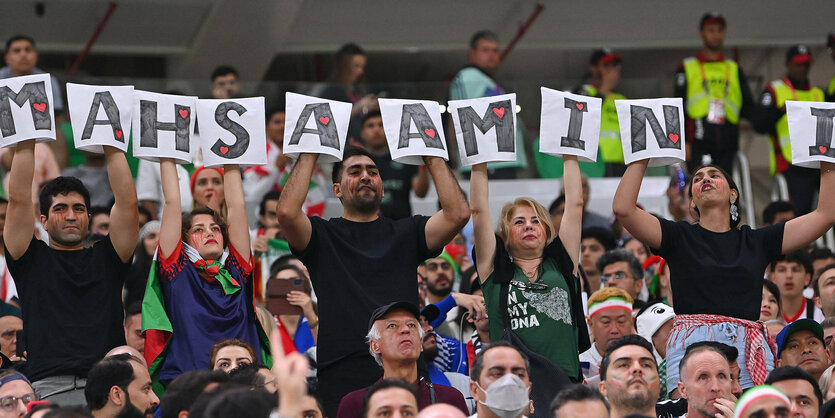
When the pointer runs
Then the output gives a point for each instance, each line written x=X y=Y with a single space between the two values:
x=619 y=268
x=395 y=341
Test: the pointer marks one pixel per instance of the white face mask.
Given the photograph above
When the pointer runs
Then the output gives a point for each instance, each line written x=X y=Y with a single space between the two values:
x=507 y=397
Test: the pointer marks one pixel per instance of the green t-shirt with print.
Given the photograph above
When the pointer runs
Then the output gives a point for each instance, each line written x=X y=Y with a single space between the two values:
x=541 y=317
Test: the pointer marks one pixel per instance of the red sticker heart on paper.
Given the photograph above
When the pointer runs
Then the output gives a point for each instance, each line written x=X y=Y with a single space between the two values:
x=674 y=138
x=822 y=149
x=118 y=133
x=183 y=113
x=40 y=107
x=224 y=150
x=580 y=106
x=324 y=120
x=430 y=132
x=499 y=111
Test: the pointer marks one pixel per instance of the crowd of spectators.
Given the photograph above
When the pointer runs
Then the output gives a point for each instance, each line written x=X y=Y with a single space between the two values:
x=217 y=292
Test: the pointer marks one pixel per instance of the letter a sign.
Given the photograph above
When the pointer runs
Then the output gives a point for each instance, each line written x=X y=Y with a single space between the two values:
x=316 y=126
x=413 y=130
x=810 y=129
x=652 y=129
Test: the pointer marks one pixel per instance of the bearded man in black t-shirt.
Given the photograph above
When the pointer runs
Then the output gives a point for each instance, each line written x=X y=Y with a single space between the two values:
x=362 y=260
x=71 y=295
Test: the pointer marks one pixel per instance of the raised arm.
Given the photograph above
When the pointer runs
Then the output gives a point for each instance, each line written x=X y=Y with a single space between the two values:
x=484 y=236
x=571 y=227
x=170 y=231
x=238 y=226
x=294 y=223
x=420 y=183
x=124 y=216
x=20 y=222
x=638 y=222
x=454 y=214
x=801 y=231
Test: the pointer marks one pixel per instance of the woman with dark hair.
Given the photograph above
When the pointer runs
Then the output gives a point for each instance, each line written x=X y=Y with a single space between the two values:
x=229 y=354
x=298 y=332
x=717 y=266
x=770 y=307
x=347 y=85
x=204 y=292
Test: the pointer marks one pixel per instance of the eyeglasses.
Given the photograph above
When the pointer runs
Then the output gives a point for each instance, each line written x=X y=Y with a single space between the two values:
x=529 y=285
x=433 y=266
x=619 y=275
x=9 y=403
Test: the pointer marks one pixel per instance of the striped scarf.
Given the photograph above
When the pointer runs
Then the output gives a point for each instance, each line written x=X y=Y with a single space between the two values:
x=756 y=339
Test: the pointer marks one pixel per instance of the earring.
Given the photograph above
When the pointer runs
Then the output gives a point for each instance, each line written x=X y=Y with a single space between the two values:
x=734 y=210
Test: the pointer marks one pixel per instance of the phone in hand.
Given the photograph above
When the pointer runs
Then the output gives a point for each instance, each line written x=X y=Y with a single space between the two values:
x=21 y=344
x=277 y=290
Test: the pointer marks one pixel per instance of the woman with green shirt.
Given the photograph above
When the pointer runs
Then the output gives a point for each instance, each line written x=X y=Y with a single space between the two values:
x=538 y=266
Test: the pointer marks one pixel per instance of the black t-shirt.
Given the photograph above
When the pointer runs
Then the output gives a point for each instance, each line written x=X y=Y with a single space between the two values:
x=718 y=273
x=356 y=267
x=397 y=183
x=72 y=306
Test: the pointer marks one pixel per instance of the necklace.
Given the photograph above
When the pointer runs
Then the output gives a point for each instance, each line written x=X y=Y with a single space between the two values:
x=530 y=274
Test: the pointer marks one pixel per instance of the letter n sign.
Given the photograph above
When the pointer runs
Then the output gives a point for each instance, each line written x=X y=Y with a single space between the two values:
x=652 y=129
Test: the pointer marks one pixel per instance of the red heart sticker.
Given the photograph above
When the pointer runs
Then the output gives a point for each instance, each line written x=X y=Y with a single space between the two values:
x=430 y=132
x=40 y=107
x=224 y=150
x=324 y=120
x=674 y=138
x=580 y=106
x=118 y=133
x=822 y=149
x=499 y=111
x=183 y=113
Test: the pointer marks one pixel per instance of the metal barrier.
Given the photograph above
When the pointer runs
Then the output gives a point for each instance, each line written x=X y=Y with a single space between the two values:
x=742 y=177
x=780 y=191
x=779 y=188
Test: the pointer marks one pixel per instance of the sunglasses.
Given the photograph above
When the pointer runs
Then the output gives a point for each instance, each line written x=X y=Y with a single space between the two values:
x=528 y=285
x=433 y=266
x=620 y=275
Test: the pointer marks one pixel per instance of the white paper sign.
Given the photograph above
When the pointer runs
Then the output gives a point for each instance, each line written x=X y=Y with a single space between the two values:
x=314 y=125
x=100 y=115
x=485 y=128
x=232 y=131
x=652 y=129
x=413 y=130
x=162 y=126
x=810 y=130
x=570 y=124
x=26 y=110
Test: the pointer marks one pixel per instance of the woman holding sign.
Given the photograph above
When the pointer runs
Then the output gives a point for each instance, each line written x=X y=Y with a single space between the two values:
x=204 y=285
x=528 y=274
x=716 y=265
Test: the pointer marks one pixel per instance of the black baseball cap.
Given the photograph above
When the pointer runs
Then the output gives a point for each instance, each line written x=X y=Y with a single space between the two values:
x=431 y=312
x=799 y=54
x=604 y=55
x=394 y=306
x=712 y=17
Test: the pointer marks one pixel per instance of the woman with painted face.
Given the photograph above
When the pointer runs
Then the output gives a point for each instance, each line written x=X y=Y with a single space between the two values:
x=205 y=281
x=528 y=274
x=716 y=265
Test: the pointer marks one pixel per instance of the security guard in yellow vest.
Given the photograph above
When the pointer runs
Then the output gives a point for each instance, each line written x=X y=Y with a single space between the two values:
x=830 y=89
x=604 y=68
x=716 y=95
x=771 y=119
